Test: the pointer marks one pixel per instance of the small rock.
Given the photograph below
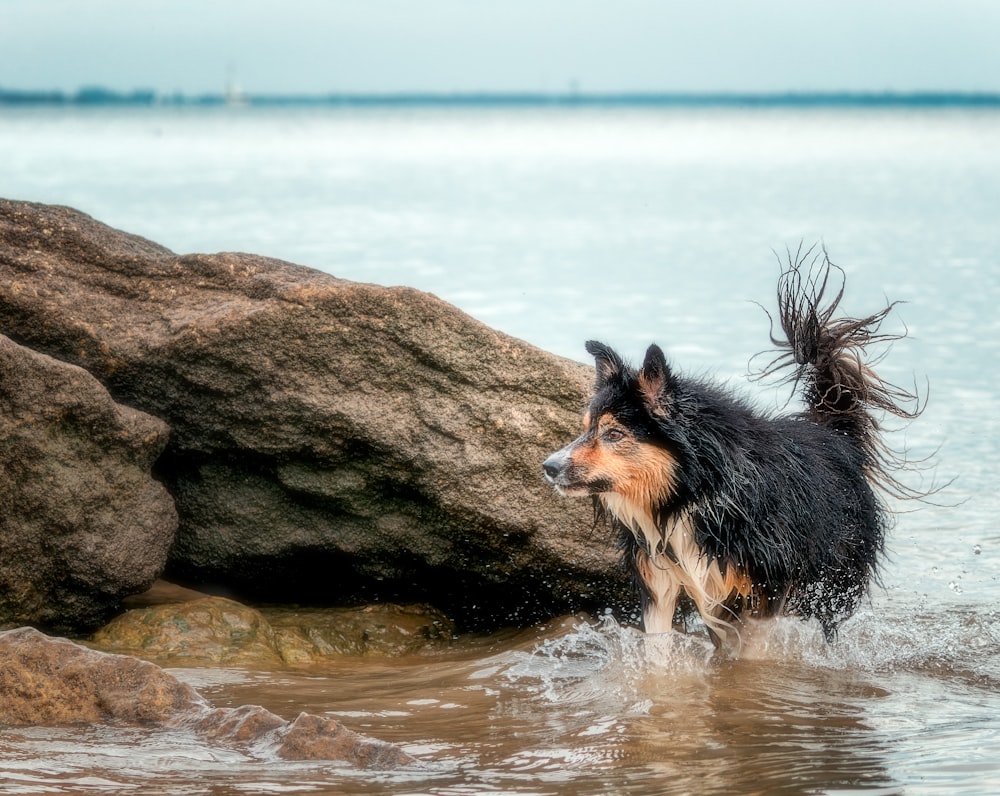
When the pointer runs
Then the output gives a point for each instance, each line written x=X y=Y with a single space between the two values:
x=52 y=682
x=217 y=631
x=319 y=738
x=380 y=629
x=47 y=682
x=209 y=631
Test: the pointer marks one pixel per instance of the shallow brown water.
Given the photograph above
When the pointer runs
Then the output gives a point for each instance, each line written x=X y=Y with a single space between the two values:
x=583 y=707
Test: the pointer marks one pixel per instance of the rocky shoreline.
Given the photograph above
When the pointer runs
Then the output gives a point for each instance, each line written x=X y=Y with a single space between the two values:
x=264 y=431
x=322 y=441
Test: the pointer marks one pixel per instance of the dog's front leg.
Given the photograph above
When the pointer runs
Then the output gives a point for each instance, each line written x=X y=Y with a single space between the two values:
x=661 y=589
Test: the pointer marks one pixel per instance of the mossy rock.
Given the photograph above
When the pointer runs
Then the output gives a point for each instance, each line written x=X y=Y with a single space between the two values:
x=216 y=631
x=381 y=629
x=209 y=631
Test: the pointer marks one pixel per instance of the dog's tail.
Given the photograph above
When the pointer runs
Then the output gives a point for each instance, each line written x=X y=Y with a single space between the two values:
x=828 y=355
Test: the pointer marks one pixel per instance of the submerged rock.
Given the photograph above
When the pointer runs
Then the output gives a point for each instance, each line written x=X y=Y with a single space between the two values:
x=330 y=440
x=217 y=631
x=212 y=631
x=382 y=629
x=82 y=521
x=53 y=682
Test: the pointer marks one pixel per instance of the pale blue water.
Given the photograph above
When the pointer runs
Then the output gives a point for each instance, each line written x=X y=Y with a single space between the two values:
x=631 y=225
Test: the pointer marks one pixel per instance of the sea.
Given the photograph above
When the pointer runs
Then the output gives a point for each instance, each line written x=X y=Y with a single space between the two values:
x=626 y=223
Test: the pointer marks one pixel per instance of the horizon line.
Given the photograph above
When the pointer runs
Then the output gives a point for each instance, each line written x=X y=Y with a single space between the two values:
x=97 y=95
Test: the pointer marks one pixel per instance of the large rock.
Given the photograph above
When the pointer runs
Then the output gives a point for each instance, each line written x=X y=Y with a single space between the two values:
x=46 y=682
x=330 y=440
x=82 y=522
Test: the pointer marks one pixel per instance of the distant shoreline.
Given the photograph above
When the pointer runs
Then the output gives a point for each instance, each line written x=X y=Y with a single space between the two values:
x=101 y=96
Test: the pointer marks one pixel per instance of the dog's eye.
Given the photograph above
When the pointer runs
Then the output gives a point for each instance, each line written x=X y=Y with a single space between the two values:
x=614 y=435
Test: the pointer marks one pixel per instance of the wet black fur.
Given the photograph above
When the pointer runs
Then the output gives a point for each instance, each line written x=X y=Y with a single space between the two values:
x=789 y=500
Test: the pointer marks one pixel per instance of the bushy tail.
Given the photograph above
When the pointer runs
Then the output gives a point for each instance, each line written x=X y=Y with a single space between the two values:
x=828 y=356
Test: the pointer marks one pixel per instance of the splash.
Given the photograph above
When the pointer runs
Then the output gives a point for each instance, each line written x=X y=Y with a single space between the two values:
x=603 y=663
x=962 y=642
x=594 y=661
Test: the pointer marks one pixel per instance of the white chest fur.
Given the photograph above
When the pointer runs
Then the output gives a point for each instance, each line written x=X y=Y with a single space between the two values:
x=665 y=576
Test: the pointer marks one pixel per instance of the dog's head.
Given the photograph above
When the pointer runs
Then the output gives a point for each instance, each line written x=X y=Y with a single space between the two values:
x=622 y=449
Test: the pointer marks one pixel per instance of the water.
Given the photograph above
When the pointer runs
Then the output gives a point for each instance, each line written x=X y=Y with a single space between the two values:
x=627 y=225
x=583 y=707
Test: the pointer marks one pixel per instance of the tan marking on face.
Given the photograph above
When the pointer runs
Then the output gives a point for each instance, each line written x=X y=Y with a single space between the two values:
x=642 y=473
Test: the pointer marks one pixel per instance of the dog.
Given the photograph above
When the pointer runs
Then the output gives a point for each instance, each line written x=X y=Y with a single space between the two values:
x=732 y=513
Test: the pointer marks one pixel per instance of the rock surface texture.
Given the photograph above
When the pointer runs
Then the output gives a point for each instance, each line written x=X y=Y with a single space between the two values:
x=82 y=522
x=53 y=682
x=217 y=631
x=329 y=440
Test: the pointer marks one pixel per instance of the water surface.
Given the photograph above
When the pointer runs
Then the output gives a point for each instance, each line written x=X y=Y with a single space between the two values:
x=627 y=225
x=583 y=707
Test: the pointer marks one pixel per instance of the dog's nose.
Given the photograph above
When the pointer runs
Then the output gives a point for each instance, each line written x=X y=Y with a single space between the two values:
x=552 y=466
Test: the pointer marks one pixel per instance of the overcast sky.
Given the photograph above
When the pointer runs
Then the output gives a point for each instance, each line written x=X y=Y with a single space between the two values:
x=321 y=46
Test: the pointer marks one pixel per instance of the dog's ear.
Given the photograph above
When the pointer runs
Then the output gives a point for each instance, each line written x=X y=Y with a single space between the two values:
x=655 y=379
x=609 y=365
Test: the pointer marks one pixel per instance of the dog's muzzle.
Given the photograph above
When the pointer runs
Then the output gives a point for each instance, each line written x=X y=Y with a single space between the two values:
x=554 y=465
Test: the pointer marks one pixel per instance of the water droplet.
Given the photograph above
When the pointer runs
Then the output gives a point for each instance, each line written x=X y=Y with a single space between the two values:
x=955 y=587
x=977 y=550
x=934 y=569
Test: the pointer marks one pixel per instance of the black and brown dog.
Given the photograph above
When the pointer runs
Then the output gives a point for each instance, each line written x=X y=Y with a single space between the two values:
x=733 y=513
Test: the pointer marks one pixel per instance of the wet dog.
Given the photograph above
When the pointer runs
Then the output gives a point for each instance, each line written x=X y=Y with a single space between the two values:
x=732 y=513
